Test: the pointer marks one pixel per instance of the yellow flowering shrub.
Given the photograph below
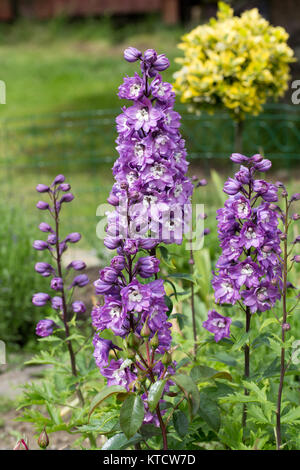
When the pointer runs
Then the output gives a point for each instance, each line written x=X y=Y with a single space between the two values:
x=233 y=62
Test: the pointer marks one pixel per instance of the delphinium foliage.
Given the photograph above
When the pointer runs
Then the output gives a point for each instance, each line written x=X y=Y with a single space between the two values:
x=151 y=196
x=249 y=271
x=63 y=328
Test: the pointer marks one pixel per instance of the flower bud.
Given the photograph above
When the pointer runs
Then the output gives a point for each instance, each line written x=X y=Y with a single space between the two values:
x=296 y=259
x=68 y=197
x=59 y=179
x=45 y=269
x=40 y=245
x=40 y=299
x=73 y=237
x=296 y=216
x=133 y=341
x=263 y=165
x=44 y=328
x=52 y=239
x=286 y=326
x=81 y=280
x=166 y=359
x=64 y=187
x=43 y=440
x=21 y=445
x=78 y=307
x=295 y=197
x=56 y=303
x=154 y=341
x=131 y=54
x=77 y=265
x=257 y=158
x=146 y=332
x=118 y=262
x=238 y=158
x=56 y=283
x=42 y=188
x=45 y=227
x=43 y=206
x=150 y=55
x=161 y=63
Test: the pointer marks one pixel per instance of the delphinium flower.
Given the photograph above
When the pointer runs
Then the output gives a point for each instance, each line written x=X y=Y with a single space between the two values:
x=149 y=196
x=249 y=270
x=58 y=194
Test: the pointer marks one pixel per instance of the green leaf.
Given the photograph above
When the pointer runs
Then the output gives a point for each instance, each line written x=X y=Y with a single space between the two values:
x=105 y=424
x=292 y=416
x=190 y=390
x=185 y=276
x=268 y=322
x=149 y=430
x=169 y=304
x=104 y=394
x=181 y=423
x=155 y=393
x=166 y=257
x=204 y=374
x=209 y=412
x=132 y=415
x=120 y=442
x=241 y=340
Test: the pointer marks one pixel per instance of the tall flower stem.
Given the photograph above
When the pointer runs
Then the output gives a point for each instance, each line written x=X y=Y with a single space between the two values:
x=246 y=366
x=284 y=319
x=64 y=304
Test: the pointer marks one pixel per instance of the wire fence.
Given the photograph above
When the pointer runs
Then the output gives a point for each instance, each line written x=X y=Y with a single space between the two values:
x=82 y=146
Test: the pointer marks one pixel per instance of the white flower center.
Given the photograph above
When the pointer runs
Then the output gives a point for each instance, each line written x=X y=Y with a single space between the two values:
x=139 y=150
x=131 y=178
x=158 y=170
x=219 y=323
x=262 y=294
x=177 y=157
x=115 y=312
x=250 y=234
x=135 y=89
x=142 y=115
x=178 y=190
x=135 y=296
x=148 y=200
x=247 y=270
x=227 y=287
x=242 y=208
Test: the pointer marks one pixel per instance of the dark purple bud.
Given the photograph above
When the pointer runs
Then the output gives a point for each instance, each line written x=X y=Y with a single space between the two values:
x=263 y=165
x=57 y=283
x=131 y=246
x=282 y=236
x=111 y=242
x=118 y=263
x=147 y=243
x=296 y=216
x=131 y=54
x=42 y=188
x=64 y=187
x=40 y=245
x=147 y=266
x=150 y=55
x=206 y=231
x=257 y=158
x=284 y=193
x=279 y=184
x=202 y=182
x=45 y=328
x=43 y=206
x=191 y=261
x=295 y=197
x=102 y=287
x=56 y=303
x=62 y=247
x=296 y=259
x=195 y=178
x=297 y=240
x=232 y=187
x=161 y=63
x=45 y=269
x=109 y=275
x=58 y=180
x=68 y=197
x=40 y=299
x=238 y=158
x=77 y=265
x=73 y=237
x=286 y=326
x=78 y=307
x=123 y=185
x=51 y=239
x=45 y=227
x=80 y=281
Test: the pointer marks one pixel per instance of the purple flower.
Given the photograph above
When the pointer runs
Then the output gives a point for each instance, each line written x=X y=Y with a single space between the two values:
x=118 y=374
x=40 y=245
x=45 y=269
x=118 y=263
x=77 y=265
x=45 y=227
x=68 y=197
x=261 y=298
x=102 y=350
x=132 y=88
x=57 y=283
x=232 y=187
x=143 y=115
x=263 y=165
x=78 y=307
x=161 y=63
x=73 y=237
x=40 y=299
x=238 y=158
x=218 y=325
x=136 y=296
x=226 y=290
x=43 y=205
x=45 y=328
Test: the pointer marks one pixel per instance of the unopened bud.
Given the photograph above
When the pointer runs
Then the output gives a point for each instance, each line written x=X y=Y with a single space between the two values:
x=146 y=332
x=43 y=440
x=296 y=216
x=133 y=341
x=166 y=359
x=154 y=341
x=282 y=236
x=286 y=326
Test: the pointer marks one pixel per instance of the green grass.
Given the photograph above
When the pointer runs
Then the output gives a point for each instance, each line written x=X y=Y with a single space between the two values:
x=58 y=66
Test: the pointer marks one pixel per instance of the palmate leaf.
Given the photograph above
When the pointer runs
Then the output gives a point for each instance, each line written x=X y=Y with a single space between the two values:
x=132 y=415
x=104 y=394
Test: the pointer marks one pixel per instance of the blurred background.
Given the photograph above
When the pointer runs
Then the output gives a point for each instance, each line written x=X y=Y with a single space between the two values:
x=62 y=62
